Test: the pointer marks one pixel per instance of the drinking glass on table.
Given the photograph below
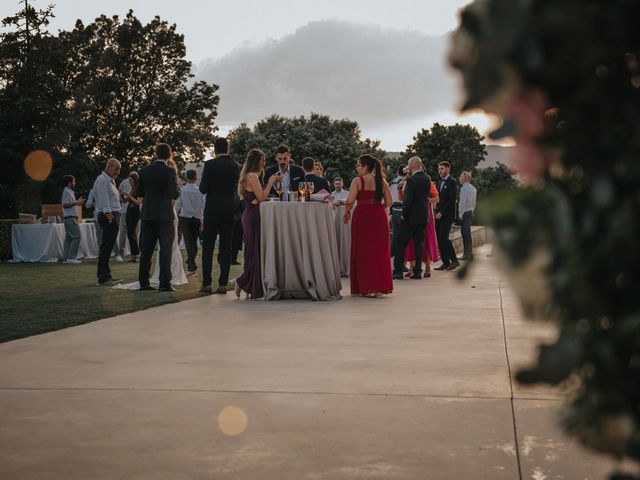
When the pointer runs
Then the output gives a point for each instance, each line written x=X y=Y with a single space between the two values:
x=302 y=188
x=310 y=187
x=278 y=188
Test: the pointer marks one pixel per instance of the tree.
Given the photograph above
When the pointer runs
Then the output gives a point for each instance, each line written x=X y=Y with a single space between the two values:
x=112 y=88
x=335 y=143
x=493 y=179
x=460 y=145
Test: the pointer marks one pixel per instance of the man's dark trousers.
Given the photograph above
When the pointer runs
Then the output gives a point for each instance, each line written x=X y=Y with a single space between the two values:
x=215 y=225
x=190 y=228
x=465 y=230
x=447 y=252
x=110 y=232
x=152 y=232
x=405 y=233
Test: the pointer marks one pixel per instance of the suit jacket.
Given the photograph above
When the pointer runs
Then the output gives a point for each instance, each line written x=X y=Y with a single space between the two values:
x=158 y=185
x=415 y=204
x=447 y=204
x=220 y=184
x=319 y=183
x=296 y=175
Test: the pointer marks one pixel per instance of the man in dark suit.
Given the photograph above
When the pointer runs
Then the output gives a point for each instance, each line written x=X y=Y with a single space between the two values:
x=220 y=184
x=445 y=214
x=319 y=183
x=157 y=187
x=291 y=174
x=414 y=219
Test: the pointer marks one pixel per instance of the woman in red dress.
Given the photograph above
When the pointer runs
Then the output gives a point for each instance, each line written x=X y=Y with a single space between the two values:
x=430 y=251
x=370 y=265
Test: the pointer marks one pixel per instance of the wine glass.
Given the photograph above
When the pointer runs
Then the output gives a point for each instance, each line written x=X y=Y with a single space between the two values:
x=278 y=188
x=310 y=187
x=302 y=188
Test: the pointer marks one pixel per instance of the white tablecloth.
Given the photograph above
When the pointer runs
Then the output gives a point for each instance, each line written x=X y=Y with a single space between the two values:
x=45 y=242
x=299 y=252
x=343 y=239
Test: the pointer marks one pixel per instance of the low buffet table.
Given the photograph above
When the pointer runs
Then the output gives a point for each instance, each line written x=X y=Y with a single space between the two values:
x=299 y=252
x=45 y=242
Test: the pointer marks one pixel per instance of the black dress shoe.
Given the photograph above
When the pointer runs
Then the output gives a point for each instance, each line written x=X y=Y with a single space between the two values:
x=416 y=276
x=442 y=267
x=398 y=276
x=147 y=287
x=170 y=288
x=453 y=266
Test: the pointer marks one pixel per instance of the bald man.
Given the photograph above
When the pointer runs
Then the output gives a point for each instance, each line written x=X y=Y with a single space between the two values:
x=107 y=204
x=415 y=215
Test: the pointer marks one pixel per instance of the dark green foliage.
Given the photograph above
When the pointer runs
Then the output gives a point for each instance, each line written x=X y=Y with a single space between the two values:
x=112 y=88
x=335 y=143
x=493 y=179
x=571 y=239
x=460 y=145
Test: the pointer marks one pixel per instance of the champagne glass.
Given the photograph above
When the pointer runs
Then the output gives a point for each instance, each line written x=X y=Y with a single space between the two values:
x=278 y=187
x=310 y=187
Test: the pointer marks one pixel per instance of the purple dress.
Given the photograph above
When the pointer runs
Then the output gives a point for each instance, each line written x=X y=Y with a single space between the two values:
x=251 y=279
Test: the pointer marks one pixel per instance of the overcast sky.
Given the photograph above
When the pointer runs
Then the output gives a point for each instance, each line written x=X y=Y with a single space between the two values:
x=378 y=62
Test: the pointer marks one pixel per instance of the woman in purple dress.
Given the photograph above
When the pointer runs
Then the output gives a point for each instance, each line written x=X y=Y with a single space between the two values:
x=252 y=193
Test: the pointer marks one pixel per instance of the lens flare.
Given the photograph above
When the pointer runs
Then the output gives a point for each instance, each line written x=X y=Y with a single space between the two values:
x=38 y=165
x=232 y=421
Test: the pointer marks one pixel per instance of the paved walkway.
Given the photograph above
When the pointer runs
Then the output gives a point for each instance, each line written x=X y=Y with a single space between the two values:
x=413 y=386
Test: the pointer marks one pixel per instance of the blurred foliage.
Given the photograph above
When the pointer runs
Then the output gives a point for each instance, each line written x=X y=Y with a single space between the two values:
x=566 y=75
x=460 y=145
x=111 y=88
x=335 y=143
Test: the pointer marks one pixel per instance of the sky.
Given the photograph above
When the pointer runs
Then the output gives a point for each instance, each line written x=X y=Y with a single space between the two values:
x=377 y=62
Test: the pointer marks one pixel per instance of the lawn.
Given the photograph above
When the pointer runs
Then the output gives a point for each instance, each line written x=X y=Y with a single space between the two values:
x=42 y=297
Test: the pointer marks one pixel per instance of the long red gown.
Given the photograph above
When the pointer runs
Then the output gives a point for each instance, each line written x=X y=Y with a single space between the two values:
x=370 y=262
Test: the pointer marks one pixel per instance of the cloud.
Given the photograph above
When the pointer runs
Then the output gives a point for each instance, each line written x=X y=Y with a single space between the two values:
x=366 y=73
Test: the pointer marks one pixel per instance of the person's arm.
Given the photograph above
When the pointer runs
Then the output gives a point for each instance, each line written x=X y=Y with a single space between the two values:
x=204 y=181
x=173 y=187
x=434 y=196
x=254 y=186
x=140 y=188
x=351 y=199
x=69 y=204
x=90 y=199
x=409 y=198
x=463 y=202
x=386 y=192
x=179 y=205
x=102 y=197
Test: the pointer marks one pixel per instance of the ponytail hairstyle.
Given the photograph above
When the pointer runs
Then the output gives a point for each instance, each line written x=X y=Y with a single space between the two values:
x=251 y=165
x=374 y=167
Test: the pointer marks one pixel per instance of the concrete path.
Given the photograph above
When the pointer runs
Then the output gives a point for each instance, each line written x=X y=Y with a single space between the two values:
x=413 y=386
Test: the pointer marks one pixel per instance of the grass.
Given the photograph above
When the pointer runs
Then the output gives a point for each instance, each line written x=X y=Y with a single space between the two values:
x=42 y=297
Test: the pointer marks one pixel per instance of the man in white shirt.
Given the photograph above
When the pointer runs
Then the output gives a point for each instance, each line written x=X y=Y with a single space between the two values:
x=107 y=204
x=70 y=220
x=190 y=208
x=466 y=207
x=340 y=194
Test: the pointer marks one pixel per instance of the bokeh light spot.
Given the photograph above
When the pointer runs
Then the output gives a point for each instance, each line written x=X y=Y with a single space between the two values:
x=38 y=165
x=232 y=421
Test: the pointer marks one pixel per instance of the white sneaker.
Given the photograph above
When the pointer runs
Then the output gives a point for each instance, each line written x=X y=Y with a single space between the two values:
x=118 y=258
x=72 y=261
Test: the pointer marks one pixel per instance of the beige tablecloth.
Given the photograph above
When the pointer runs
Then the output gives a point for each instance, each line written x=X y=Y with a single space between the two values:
x=299 y=251
x=343 y=238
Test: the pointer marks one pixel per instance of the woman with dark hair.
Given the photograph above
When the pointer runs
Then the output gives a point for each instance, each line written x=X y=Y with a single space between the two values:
x=252 y=193
x=133 y=215
x=370 y=267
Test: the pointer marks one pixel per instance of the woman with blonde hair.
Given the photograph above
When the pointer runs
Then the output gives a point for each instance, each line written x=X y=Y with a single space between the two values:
x=252 y=193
